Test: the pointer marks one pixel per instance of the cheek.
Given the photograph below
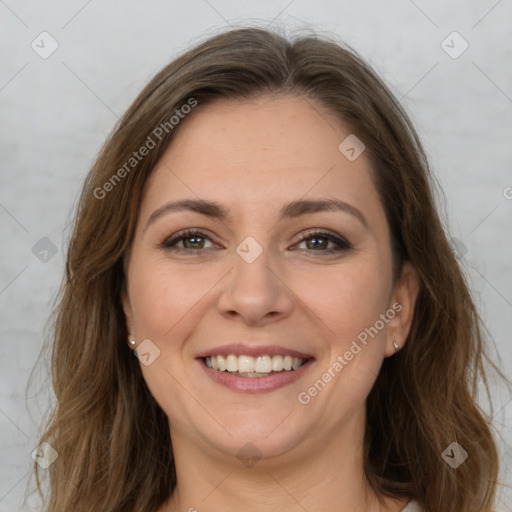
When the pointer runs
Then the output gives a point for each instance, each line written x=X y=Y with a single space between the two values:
x=347 y=298
x=165 y=306
x=161 y=297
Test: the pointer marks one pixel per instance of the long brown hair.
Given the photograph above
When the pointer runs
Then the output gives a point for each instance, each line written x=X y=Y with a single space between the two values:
x=112 y=438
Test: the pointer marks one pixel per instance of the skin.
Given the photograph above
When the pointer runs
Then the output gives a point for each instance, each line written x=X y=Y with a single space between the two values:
x=253 y=157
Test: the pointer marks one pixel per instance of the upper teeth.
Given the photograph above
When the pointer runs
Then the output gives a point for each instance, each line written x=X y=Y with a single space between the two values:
x=249 y=364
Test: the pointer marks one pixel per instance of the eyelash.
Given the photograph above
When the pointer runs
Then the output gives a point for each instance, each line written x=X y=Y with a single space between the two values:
x=169 y=243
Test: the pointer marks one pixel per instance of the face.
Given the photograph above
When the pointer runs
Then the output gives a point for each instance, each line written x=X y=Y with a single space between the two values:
x=263 y=274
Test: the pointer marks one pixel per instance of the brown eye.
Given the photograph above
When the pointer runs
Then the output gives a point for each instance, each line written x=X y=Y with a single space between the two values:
x=319 y=241
x=191 y=241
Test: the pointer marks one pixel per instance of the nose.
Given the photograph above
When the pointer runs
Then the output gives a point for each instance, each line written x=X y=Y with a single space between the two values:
x=256 y=291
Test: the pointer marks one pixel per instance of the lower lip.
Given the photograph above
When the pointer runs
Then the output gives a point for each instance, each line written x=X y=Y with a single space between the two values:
x=255 y=384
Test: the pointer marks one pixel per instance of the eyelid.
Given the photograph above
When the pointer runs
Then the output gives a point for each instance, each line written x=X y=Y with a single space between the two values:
x=186 y=233
x=342 y=243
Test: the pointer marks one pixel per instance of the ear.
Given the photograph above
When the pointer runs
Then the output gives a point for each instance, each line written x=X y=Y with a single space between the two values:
x=403 y=300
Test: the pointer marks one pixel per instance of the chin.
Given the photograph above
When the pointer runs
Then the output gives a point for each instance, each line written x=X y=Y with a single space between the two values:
x=268 y=438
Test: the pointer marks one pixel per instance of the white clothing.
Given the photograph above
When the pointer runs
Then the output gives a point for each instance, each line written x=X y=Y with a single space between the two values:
x=413 y=506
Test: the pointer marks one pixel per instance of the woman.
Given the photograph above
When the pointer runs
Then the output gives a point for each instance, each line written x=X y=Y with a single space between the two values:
x=260 y=231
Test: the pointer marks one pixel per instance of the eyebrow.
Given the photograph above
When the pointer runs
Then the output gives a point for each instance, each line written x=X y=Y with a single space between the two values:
x=291 y=210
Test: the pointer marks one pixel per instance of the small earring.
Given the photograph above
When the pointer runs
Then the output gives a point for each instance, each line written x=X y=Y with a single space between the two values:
x=132 y=343
x=396 y=345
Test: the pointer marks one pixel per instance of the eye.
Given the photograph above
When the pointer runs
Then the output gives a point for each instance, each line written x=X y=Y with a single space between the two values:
x=191 y=239
x=320 y=242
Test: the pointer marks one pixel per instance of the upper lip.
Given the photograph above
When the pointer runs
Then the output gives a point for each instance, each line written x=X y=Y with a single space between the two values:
x=254 y=351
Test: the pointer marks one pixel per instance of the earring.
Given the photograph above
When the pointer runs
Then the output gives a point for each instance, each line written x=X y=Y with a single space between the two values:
x=132 y=343
x=396 y=345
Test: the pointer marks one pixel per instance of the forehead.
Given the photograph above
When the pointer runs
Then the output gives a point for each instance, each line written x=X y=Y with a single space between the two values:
x=260 y=153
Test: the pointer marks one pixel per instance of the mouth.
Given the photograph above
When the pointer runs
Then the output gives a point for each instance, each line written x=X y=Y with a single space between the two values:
x=254 y=367
x=254 y=370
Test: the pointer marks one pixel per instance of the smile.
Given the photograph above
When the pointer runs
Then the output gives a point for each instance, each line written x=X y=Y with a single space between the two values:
x=249 y=366
x=248 y=374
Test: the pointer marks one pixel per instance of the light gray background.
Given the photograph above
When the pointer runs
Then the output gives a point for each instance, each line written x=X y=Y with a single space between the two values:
x=56 y=113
